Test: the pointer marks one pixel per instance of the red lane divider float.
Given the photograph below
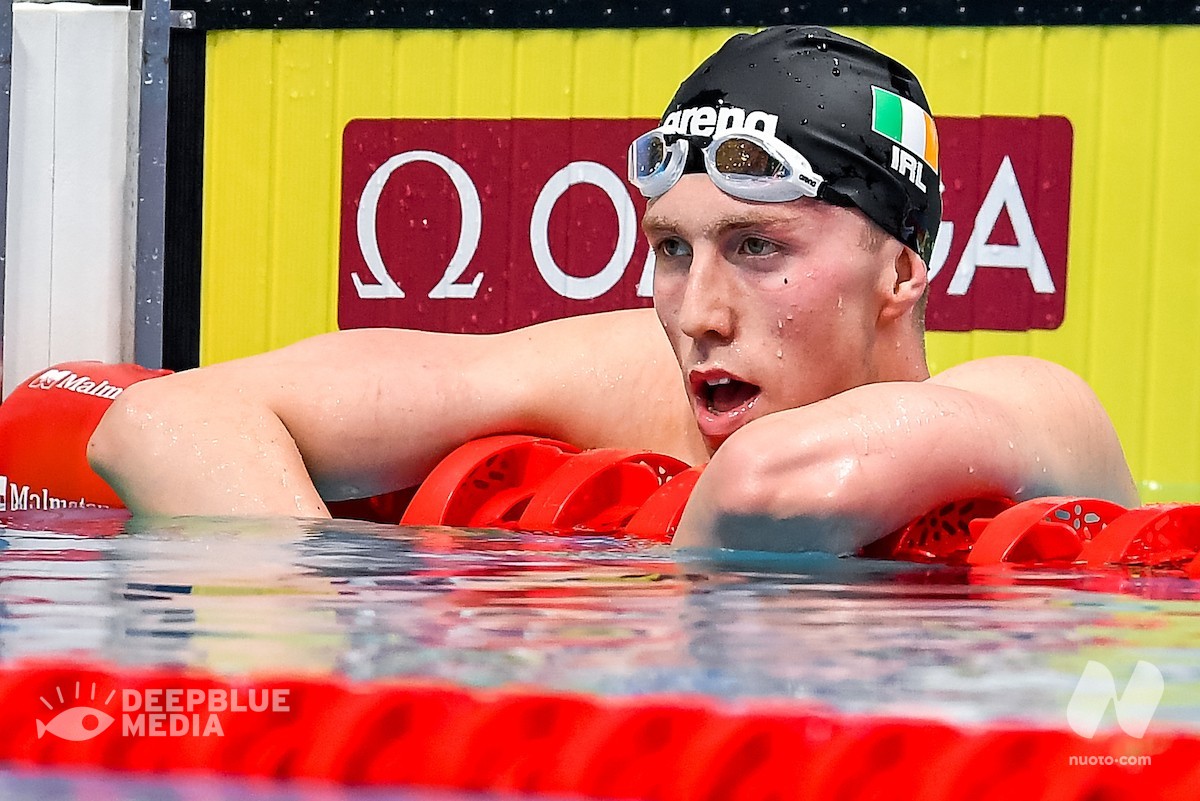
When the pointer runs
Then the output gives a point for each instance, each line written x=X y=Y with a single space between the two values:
x=536 y=483
x=1041 y=531
x=486 y=482
x=45 y=425
x=942 y=535
x=435 y=734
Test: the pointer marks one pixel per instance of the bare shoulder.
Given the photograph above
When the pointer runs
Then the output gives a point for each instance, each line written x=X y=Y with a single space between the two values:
x=1058 y=418
x=1004 y=375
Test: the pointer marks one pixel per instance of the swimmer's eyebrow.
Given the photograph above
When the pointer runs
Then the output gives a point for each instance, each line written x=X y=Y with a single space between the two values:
x=658 y=224
x=761 y=219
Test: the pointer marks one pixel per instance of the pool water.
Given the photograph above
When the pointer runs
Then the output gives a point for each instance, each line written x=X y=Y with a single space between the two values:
x=594 y=614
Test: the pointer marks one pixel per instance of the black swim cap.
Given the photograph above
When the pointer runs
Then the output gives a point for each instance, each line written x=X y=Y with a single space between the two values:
x=860 y=118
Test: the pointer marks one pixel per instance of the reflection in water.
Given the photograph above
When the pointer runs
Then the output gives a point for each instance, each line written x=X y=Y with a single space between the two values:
x=594 y=614
x=76 y=785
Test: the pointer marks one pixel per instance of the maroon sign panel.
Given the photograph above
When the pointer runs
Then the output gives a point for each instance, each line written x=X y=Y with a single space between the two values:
x=489 y=225
x=1000 y=261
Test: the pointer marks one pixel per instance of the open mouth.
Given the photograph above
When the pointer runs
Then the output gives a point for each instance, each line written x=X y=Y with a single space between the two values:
x=723 y=393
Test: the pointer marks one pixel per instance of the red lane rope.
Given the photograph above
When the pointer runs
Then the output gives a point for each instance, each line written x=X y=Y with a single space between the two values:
x=643 y=494
x=434 y=734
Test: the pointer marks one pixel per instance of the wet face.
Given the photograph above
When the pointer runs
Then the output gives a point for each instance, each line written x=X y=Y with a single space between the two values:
x=768 y=306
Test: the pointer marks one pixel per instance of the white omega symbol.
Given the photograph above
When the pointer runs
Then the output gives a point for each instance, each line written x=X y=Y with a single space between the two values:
x=468 y=237
x=568 y=286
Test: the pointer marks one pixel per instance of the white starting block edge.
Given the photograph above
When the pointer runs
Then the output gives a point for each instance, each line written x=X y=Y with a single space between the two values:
x=72 y=186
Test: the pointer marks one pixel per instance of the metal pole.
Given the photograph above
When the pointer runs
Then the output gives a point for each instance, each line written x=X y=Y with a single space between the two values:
x=6 y=50
x=152 y=179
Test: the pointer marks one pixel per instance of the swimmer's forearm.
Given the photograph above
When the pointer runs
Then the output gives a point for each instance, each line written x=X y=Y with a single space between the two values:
x=166 y=458
x=841 y=473
x=274 y=434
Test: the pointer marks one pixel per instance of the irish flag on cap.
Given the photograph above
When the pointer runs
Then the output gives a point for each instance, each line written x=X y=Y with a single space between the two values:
x=905 y=123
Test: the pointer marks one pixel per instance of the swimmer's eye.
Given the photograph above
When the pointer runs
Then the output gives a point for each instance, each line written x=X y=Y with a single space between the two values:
x=757 y=246
x=672 y=248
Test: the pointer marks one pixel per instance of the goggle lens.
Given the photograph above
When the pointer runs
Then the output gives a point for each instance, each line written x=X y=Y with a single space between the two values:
x=742 y=157
x=650 y=155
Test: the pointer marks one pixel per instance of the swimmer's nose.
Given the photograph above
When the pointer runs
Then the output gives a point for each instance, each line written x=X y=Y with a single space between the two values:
x=705 y=311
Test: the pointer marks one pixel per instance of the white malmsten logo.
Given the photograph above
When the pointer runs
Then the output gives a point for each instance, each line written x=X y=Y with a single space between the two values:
x=49 y=378
x=84 y=385
x=1134 y=708
x=709 y=121
x=16 y=496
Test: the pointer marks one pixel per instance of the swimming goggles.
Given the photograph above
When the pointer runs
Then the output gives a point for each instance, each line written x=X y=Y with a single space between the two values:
x=745 y=164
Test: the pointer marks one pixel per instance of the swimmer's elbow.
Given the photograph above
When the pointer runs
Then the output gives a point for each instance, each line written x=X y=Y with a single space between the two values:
x=761 y=493
x=115 y=440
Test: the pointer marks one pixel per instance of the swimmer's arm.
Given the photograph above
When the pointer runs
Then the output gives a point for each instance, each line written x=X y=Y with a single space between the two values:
x=840 y=473
x=356 y=410
x=360 y=412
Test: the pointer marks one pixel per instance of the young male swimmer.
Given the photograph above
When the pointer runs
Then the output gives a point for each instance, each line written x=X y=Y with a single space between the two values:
x=790 y=283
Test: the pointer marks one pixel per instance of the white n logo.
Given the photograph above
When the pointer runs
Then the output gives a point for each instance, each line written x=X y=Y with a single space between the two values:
x=1134 y=708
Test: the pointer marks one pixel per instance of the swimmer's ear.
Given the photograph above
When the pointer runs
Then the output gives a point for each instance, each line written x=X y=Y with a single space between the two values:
x=907 y=278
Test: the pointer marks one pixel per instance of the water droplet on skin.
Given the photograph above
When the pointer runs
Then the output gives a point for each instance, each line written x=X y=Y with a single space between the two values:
x=970 y=469
x=836 y=71
x=781 y=323
x=779 y=354
x=822 y=45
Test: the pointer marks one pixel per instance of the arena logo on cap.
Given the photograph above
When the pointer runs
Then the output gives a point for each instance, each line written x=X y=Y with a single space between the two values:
x=709 y=121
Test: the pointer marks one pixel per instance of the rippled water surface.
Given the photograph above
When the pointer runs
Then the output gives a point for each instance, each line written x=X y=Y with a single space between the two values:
x=594 y=614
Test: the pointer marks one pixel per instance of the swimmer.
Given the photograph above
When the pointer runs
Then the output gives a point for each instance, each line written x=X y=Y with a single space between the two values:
x=785 y=346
